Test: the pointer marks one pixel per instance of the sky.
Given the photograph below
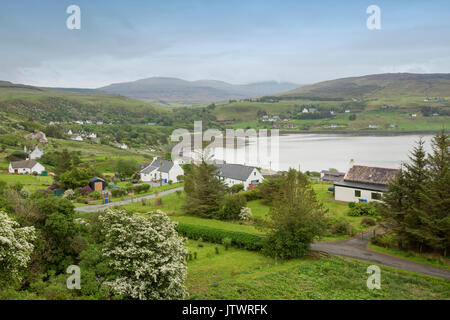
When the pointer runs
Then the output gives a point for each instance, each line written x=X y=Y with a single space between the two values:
x=238 y=41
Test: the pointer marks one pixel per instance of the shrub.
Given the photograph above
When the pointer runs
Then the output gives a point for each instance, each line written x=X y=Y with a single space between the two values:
x=231 y=207
x=368 y=222
x=245 y=214
x=118 y=192
x=226 y=242
x=238 y=239
x=85 y=190
x=96 y=195
x=340 y=227
x=351 y=204
x=251 y=194
x=170 y=182
x=69 y=194
x=237 y=188
x=362 y=209
x=157 y=201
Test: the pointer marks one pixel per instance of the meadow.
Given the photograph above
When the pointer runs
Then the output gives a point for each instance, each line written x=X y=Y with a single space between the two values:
x=241 y=274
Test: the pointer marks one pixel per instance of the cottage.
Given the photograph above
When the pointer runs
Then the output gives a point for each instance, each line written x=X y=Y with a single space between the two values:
x=326 y=175
x=26 y=167
x=305 y=110
x=233 y=174
x=76 y=138
x=362 y=183
x=161 y=169
x=37 y=153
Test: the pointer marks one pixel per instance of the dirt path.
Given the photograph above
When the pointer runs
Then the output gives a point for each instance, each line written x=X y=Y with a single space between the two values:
x=101 y=207
x=357 y=248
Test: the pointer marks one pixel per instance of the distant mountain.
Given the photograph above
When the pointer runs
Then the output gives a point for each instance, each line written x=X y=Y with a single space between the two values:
x=389 y=85
x=178 y=91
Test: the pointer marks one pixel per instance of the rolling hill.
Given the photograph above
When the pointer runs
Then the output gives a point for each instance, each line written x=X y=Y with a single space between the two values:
x=379 y=86
x=178 y=91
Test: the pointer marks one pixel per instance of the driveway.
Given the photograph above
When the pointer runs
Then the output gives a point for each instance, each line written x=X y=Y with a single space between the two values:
x=102 y=207
x=357 y=248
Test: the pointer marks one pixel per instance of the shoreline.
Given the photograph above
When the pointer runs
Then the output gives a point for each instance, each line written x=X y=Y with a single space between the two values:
x=363 y=132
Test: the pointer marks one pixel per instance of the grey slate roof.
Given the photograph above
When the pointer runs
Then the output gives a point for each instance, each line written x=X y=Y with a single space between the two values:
x=234 y=171
x=23 y=164
x=165 y=166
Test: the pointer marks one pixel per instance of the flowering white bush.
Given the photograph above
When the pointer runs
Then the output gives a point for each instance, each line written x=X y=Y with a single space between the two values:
x=246 y=214
x=15 y=247
x=147 y=253
x=69 y=194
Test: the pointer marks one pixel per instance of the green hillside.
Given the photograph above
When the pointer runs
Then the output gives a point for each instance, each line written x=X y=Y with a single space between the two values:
x=378 y=86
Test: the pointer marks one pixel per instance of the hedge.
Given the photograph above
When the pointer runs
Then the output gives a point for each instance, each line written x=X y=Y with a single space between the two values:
x=238 y=239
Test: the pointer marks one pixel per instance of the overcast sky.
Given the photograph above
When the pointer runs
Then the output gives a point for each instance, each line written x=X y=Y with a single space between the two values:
x=235 y=41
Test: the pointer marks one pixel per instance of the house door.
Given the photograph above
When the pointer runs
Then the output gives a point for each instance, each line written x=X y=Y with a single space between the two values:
x=16 y=171
x=98 y=186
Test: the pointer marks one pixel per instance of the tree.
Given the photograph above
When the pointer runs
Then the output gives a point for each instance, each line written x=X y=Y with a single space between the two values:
x=16 y=246
x=204 y=191
x=231 y=207
x=147 y=255
x=126 y=167
x=76 y=177
x=416 y=205
x=295 y=219
x=436 y=219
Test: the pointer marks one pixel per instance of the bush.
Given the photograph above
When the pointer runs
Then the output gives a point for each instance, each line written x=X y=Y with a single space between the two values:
x=226 y=242
x=387 y=240
x=251 y=194
x=69 y=194
x=245 y=214
x=116 y=193
x=231 y=207
x=285 y=245
x=368 y=222
x=238 y=239
x=362 y=209
x=96 y=195
x=237 y=188
x=340 y=227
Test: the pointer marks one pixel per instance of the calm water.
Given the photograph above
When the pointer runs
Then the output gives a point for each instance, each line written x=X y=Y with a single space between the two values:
x=317 y=152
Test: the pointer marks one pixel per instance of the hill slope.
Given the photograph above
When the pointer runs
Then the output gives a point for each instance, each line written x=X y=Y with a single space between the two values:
x=390 y=85
x=173 y=90
x=52 y=105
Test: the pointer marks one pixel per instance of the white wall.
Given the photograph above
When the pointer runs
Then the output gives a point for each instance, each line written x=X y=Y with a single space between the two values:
x=348 y=194
x=255 y=175
x=37 y=168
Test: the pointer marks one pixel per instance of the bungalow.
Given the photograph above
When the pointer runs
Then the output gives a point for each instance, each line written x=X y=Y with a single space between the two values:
x=161 y=169
x=233 y=174
x=326 y=175
x=362 y=183
x=26 y=167
x=76 y=138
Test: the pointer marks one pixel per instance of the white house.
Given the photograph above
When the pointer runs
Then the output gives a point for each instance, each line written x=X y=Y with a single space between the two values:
x=161 y=169
x=305 y=110
x=36 y=153
x=233 y=174
x=76 y=138
x=26 y=167
x=362 y=183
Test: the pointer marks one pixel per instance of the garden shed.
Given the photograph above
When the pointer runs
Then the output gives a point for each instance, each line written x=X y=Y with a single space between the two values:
x=97 y=184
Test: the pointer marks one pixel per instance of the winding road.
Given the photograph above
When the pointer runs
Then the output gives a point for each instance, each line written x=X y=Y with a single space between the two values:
x=357 y=248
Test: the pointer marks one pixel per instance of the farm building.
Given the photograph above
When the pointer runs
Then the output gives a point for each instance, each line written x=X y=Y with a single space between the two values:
x=233 y=174
x=362 y=183
x=97 y=184
x=26 y=167
x=326 y=175
x=161 y=169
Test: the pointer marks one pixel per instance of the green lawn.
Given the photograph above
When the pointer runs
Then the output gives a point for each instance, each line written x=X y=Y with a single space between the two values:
x=25 y=178
x=240 y=274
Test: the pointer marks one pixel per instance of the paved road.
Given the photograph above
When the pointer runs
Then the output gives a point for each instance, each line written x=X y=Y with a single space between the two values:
x=101 y=207
x=357 y=248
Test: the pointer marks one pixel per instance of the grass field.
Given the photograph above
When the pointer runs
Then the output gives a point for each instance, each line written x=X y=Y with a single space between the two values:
x=429 y=259
x=240 y=274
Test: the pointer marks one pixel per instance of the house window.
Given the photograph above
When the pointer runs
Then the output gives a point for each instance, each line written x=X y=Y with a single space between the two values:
x=254 y=173
x=358 y=193
x=376 y=196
